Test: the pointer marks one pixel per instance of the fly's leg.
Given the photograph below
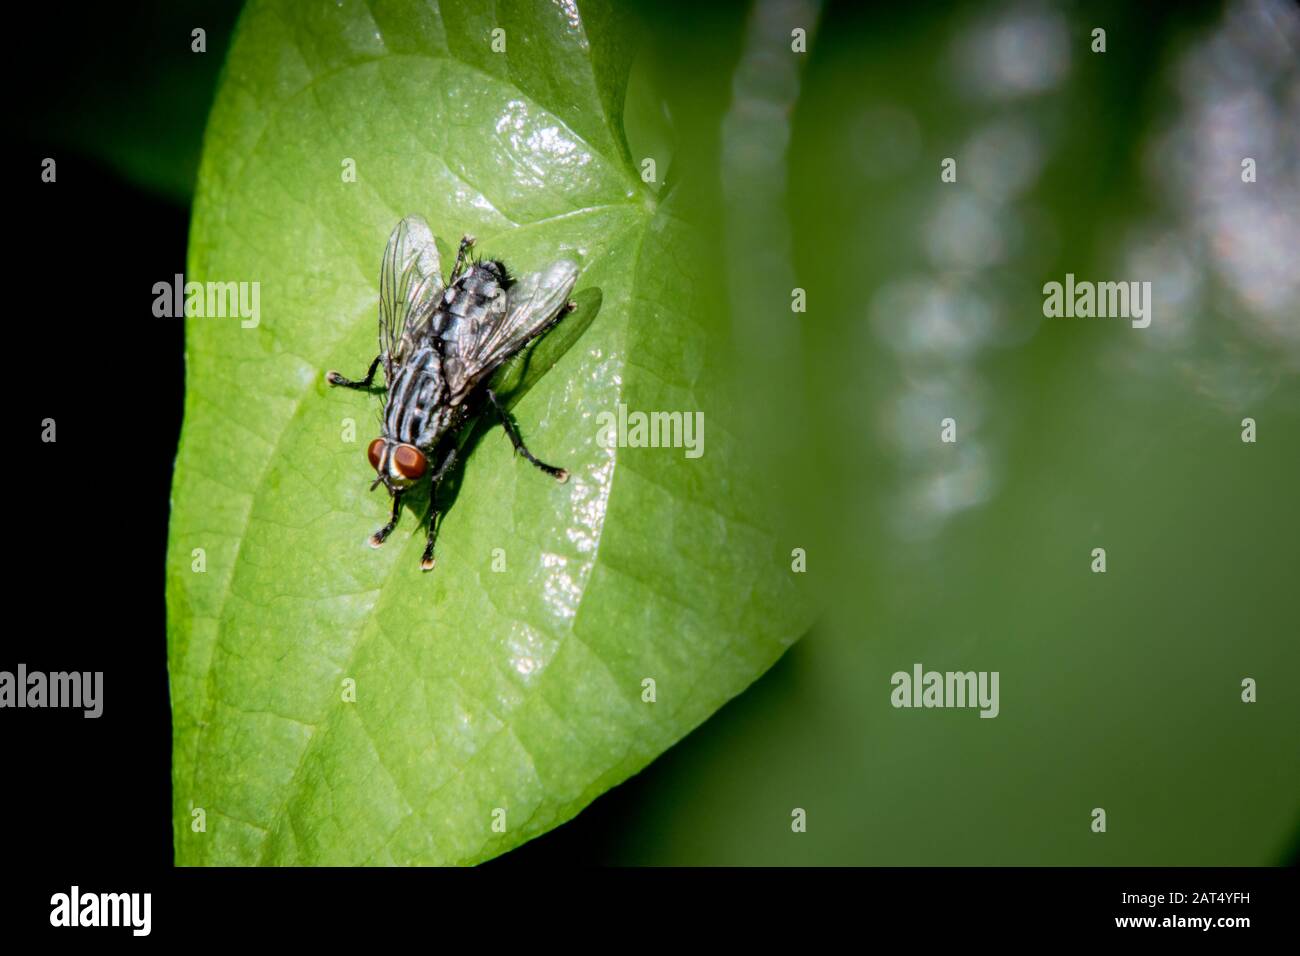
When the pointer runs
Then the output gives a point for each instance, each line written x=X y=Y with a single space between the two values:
x=559 y=474
x=334 y=378
x=380 y=536
x=466 y=243
x=426 y=562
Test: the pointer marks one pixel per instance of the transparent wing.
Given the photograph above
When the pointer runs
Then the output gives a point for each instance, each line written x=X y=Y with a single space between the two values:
x=410 y=282
x=533 y=304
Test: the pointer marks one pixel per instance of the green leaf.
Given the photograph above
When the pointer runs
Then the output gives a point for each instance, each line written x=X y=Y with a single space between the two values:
x=475 y=690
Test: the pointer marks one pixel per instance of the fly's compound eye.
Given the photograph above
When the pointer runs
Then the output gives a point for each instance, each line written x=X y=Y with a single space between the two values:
x=375 y=453
x=409 y=461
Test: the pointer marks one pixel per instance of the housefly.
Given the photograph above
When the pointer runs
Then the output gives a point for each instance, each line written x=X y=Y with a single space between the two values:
x=439 y=345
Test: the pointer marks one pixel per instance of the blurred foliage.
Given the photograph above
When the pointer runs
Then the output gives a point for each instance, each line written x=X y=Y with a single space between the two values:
x=1121 y=690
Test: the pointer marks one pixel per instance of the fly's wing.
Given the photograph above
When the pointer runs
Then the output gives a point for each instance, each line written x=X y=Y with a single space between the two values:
x=533 y=304
x=410 y=283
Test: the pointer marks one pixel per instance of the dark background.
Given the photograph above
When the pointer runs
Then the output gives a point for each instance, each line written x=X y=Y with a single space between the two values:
x=87 y=566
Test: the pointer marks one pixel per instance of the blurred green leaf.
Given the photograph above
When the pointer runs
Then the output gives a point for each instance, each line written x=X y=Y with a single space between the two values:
x=475 y=691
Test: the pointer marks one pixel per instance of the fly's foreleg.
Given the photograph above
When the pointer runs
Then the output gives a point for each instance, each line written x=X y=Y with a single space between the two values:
x=466 y=243
x=559 y=474
x=380 y=536
x=334 y=378
x=426 y=562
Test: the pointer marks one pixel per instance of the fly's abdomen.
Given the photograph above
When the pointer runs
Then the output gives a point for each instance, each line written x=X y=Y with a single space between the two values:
x=471 y=310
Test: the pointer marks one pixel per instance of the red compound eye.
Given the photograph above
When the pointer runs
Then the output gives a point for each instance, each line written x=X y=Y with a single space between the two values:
x=375 y=453
x=409 y=461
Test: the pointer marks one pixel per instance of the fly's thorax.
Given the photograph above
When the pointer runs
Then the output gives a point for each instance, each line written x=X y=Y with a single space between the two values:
x=417 y=399
x=416 y=414
x=436 y=425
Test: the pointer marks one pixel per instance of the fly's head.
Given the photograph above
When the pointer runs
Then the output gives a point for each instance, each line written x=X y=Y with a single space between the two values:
x=397 y=465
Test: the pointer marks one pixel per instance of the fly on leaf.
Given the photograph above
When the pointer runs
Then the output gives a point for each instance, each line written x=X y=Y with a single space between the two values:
x=439 y=345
